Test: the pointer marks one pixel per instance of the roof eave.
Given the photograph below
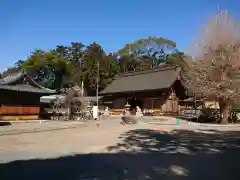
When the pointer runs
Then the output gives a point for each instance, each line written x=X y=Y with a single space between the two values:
x=129 y=92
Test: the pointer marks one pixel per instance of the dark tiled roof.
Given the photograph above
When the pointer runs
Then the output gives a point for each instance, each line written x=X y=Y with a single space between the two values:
x=15 y=82
x=12 y=78
x=155 y=79
x=23 y=88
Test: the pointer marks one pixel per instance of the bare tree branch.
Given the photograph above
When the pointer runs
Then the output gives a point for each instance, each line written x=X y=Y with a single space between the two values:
x=214 y=71
x=215 y=68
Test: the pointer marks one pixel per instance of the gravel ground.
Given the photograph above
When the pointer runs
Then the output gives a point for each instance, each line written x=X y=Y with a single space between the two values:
x=108 y=150
x=95 y=137
x=20 y=127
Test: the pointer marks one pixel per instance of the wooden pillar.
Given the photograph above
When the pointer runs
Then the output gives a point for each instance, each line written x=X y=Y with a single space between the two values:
x=152 y=101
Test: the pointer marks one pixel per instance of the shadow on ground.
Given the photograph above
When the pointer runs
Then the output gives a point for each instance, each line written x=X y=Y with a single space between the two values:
x=143 y=154
x=5 y=123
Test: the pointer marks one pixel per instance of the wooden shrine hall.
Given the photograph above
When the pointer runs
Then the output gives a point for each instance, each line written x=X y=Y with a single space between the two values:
x=156 y=92
x=20 y=97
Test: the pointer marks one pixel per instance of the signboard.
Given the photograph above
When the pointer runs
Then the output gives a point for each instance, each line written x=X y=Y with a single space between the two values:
x=95 y=112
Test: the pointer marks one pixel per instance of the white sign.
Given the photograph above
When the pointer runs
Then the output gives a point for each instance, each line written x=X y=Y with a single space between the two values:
x=95 y=112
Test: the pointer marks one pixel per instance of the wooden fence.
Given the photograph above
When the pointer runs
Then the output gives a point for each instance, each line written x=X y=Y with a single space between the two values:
x=19 y=112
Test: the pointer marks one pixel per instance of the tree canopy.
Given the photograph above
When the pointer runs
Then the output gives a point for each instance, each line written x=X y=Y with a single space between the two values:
x=146 y=53
x=77 y=62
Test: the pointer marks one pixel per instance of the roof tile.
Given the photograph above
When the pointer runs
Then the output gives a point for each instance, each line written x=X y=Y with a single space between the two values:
x=149 y=80
x=15 y=82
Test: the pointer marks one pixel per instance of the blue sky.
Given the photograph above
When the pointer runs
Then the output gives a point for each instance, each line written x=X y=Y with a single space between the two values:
x=29 y=24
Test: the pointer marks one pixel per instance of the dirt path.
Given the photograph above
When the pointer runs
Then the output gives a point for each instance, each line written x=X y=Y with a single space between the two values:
x=95 y=137
x=109 y=150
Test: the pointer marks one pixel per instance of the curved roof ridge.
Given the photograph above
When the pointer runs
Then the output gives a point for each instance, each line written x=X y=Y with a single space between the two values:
x=12 y=77
x=40 y=86
x=160 y=68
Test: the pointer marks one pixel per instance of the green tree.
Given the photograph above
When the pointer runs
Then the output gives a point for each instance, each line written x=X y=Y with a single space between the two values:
x=128 y=63
x=76 y=52
x=76 y=55
x=93 y=61
x=148 y=53
x=47 y=68
x=177 y=58
x=99 y=68
x=72 y=64
x=62 y=51
x=111 y=65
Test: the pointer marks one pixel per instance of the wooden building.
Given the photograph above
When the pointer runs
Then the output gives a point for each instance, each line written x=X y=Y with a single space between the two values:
x=20 y=97
x=197 y=100
x=156 y=92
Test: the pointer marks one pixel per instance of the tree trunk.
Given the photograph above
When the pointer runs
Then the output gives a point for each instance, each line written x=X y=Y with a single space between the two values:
x=224 y=110
x=70 y=113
